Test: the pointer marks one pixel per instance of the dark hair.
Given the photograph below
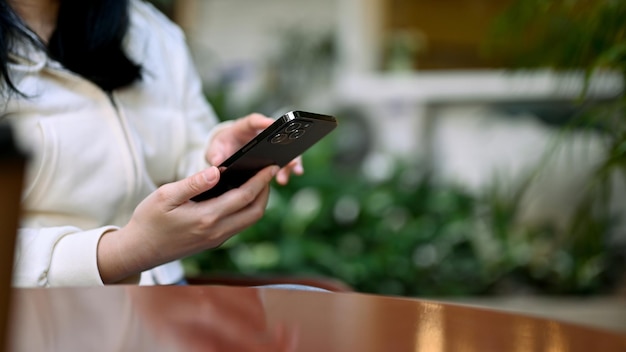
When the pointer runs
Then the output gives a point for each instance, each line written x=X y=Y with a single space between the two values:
x=9 y=32
x=87 y=40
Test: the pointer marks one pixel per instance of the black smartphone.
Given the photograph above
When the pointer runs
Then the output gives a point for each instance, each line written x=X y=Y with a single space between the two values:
x=288 y=137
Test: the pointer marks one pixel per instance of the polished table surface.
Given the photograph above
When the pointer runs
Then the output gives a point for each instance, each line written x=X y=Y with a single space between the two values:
x=218 y=318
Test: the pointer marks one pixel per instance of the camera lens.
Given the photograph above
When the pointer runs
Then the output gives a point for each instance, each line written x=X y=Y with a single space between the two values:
x=296 y=134
x=278 y=138
x=292 y=127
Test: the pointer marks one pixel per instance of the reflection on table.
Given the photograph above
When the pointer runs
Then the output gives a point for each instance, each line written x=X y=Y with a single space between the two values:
x=217 y=318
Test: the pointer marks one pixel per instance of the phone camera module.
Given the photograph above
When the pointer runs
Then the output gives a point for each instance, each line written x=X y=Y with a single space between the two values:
x=292 y=127
x=296 y=134
x=279 y=138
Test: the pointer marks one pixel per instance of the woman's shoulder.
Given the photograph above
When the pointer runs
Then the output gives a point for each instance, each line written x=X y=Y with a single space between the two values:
x=152 y=35
x=148 y=19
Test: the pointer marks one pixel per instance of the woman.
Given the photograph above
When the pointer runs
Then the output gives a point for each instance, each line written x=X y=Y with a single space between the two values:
x=103 y=95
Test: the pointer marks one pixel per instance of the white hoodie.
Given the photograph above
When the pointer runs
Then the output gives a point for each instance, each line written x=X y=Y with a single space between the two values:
x=95 y=156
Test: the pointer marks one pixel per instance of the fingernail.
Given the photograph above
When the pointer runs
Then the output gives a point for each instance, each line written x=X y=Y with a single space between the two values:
x=282 y=179
x=275 y=170
x=298 y=169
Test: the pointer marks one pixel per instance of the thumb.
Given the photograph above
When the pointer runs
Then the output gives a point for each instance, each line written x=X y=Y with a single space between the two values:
x=185 y=189
x=217 y=158
x=216 y=153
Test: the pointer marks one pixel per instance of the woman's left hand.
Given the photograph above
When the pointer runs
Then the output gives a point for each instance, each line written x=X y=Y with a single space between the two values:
x=228 y=140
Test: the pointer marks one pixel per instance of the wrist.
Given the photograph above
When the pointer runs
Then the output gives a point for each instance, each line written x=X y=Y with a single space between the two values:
x=116 y=262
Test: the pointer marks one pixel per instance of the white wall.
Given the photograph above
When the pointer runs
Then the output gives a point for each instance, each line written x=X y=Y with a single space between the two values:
x=477 y=145
x=242 y=32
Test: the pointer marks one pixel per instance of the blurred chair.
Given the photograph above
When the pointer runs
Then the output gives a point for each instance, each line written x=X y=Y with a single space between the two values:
x=11 y=178
x=325 y=283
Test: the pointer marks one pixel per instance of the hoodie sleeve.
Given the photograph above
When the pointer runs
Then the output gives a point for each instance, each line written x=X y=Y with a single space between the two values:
x=57 y=256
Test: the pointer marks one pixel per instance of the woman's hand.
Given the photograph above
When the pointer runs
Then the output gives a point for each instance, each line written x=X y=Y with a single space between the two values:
x=167 y=225
x=228 y=140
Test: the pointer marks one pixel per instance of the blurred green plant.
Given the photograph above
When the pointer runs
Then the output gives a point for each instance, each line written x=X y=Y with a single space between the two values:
x=402 y=235
x=406 y=233
x=580 y=38
x=562 y=34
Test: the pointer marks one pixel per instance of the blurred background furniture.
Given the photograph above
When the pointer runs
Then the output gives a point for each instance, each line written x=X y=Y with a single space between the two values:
x=325 y=283
x=11 y=176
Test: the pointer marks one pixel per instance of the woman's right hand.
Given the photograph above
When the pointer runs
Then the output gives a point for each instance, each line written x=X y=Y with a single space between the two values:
x=167 y=225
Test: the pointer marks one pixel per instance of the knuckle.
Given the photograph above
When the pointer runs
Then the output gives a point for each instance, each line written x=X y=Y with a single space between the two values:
x=247 y=195
x=257 y=212
x=163 y=193
x=208 y=221
x=195 y=183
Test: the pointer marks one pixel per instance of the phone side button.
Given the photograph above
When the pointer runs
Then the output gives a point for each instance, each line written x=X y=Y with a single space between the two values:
x=250 y=145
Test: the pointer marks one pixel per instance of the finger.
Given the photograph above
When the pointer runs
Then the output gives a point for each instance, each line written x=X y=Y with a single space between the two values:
x=295 y=167
x=239 y=198
x=217 y=156
x=252 y=213
x=253 y=123
x=231 y=224
x=243 y=218
x=298 y=167
x=282 y=177
x=216 y=152
x=241 y=132
x=177 y=193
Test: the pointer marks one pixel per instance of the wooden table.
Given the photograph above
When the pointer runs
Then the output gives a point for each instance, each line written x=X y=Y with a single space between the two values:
x=217 y=318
